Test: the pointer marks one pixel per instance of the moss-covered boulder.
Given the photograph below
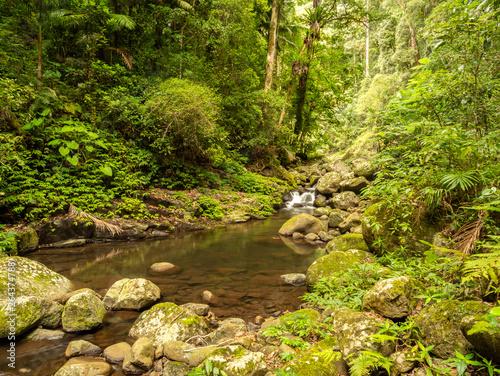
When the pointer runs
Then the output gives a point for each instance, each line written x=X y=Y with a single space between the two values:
x=134 y=293
x=345 y=200
x=339 y=167
x=353 y=221
x=354 y=330
x=227 y=329
x=336 y=217
x=53 y=316
x=83 y=312
x=27 y=241
x=355 y=185
x=323 y=359
x=441 y=324
x=82 y=348
x=380 y=236
x=345 y=242
x=85 y=367
x=363 y=167
x=168 y=322
x=391 y=298
x=329 y=183
x=237 y=361
x=308 y=314
x=319 y=212
x=303 y=223
x=334 y=262
x=26 y=313
x=31 y=279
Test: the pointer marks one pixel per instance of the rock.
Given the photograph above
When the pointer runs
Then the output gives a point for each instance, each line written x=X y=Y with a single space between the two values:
x=485 y=342
x=334 y=262
x=354 y=220
x=363 y=167
x=53 y=317
x=357 y=230
x=295 y=279
x=83 y=311
x=237 y=361
x=66 y=297
x=354 y=330
x=307 y=313
x=297 y=236
x=133 y=294
x=320 y=201
x=175 y=369
x=70 y=243
x=196 y=357
x=141 y=354
x=176 y=350
x=308 y=362
x=168 y=322
x=209 y=298
x=197 y=308
x=329 y=183
x=311 y=237
x=29 y=312
x=345 y=242
x=319 y=212
x=304 y=223
x=27 y=241
x=44 y=334
x=116 y=353
x=324 y=236
x=345 y=200
x=64 y=229
x=32 y=279
x=237 y=217
x=299 y=247
x=82 y=348
x=339 y=167
x=85 y=367
x=228 y=329
x=334 y=233
x=390 y=298
x=402 y=362
x=161 y=267
x=355 y=185
x=336 y=217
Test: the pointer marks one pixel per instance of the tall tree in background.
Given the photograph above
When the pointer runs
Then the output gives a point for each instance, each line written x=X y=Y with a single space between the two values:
x=272 y=44
x=413 y=35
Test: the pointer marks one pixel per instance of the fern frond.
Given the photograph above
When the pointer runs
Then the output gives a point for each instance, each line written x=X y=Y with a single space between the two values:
x=366 y=361
x=121 y=21
x=465 y=180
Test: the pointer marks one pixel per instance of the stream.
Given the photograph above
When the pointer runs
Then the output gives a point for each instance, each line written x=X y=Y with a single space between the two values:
x=241 y=265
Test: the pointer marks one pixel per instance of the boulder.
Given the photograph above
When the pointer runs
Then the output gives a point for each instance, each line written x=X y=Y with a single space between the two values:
x=334 y=262
x=345 y=242
x=175 y=369
x=43 y=335
x=363 y=167
x=227 y=330
x=355 y=185
x=345 y=200
x=133 y=294
x=304 y=223
x=237 y=361
x=64 y=229
x=27 y=241
x=66 y=297
x=339 y=167
x=85 y=367
x=32 y=279
x=82 y=348
x=312 y=362
x=27 y=311
x=117 y=352
x=83 y=311
x=354 y=330
x=176 y=350
x=141 y=355
x=390 y=298
x=319 y=212
x=336 y=217
x=403 y=362
x=354 y=220
x=53 y=316
x=320 y=201
x=329 y=183
x=198 y=308
x=486 y=340
x=168 y=322
x=294 y=279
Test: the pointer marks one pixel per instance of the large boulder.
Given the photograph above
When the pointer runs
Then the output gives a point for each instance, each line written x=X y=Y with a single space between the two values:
x=237 y=361
x=168 y=322
x=345 y=200
x=390 y=298
x=134 y=294
x=312 y=362
x=140 y=356
x=355 y=184
x=304 y=223
x=481 y=333
x=334 y=262
x=363 y=167
x=336 y=217
x=354 y=330
x=27 y=241
x=31 y=279
x=64 y=229
x=345 y=242
x=340 y=168
x=85 y=367
x=353 y=221
x=329 y=183
x=26 y=313
x=83 y=311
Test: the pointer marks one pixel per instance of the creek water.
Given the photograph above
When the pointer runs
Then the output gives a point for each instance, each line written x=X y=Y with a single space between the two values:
x=241 y=265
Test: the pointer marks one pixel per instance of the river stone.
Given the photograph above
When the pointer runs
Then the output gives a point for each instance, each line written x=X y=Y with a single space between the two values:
x=53 y=317
x=390 y=297
x=403 y=362
x=336 y=217
x=329 y=183
x=297 y=236
x=363 y=167
x=116 y=353
x=339 y=167
x=354 y=220
x=325 y=236
x=355 y=185
x=295 y=279
x=334 y=262
x=133 y=294
x=29 y=312
x=227 y=330
x=307 y=362
x=209 y=297
x=237 y=361
x=198 y=356
x=141 y=353
x=176 y=350
x=175 y=369
x=345 y=200
x=32 y=279
x=198 y=308
x=319 y=212
x=354 y=330
x=83 y=311
x=311 y=237
x=66 y=297
x=27 y=241
x=304 y=223
x=85 y=367
x=345 y=242
x=168 y=322
x=320 y=201
x=161 y=267
x=43 y=334
x=82 y=348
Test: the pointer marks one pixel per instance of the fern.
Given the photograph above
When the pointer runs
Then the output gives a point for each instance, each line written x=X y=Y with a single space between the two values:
x=366 y=361
x=465 y=180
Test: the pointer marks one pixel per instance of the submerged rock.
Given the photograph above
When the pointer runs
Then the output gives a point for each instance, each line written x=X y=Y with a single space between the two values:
x=83 y=312
x=133 y=294
x=390 y=298
x=304 y=223
x=44 y=335
x=295 y=279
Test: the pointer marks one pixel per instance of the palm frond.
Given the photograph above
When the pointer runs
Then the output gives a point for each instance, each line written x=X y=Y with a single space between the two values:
x=466 y=237
x=125 y=54
x=121 y=21
x=99 y=223
x=465 y=180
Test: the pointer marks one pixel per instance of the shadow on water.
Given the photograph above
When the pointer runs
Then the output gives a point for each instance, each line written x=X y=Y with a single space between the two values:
x=241 y=265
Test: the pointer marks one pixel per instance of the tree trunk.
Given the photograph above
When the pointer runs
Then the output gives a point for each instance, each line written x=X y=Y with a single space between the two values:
x=272 y=44
x=39 y=70
x=367 y=48
x=413 y=35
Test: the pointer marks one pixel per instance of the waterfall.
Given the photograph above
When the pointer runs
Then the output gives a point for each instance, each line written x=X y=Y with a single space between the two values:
x=303 y=198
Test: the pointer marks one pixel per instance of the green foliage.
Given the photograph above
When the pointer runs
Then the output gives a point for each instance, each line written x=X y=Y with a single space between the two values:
x=366 y=361
x=210 y=207
x=208 y=370
x=8 y=243
x=132 y=208
x=489 y=324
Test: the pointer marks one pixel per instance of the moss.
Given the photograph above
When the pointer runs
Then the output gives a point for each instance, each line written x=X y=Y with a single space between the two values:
x=309 y=313
x=323 y=359
x=345 y=242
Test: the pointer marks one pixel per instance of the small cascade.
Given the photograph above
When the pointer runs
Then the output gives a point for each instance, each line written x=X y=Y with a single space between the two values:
x=303 y=198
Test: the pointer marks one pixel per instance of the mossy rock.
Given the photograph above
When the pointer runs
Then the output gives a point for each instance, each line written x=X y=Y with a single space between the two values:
x=334 y=262
x=321 y=211
x=339 y=167
x=176 y=369
x=329 y=183
x=336 y=217
x=363 y=167
x=132 y=294
x=32 y=279
x=303 y=223
x=83 y=312
x=28 y=312
x=237 y=361
x=345 y=242
x=27 y=241
x=323 y=359
x=306 y=313
x=168 y=322
x=380 y=237
x=85 y=367
x=345 y=200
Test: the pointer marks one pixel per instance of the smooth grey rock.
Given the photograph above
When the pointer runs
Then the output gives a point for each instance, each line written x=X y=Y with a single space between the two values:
x=198 y=308
x=82 y=348
x=83 y=311
x=133 y=294
x=295 y=279
x=117 y=352
x=85 y=367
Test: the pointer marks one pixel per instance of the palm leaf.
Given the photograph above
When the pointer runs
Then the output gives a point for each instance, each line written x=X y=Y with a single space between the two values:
x=121 y=21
